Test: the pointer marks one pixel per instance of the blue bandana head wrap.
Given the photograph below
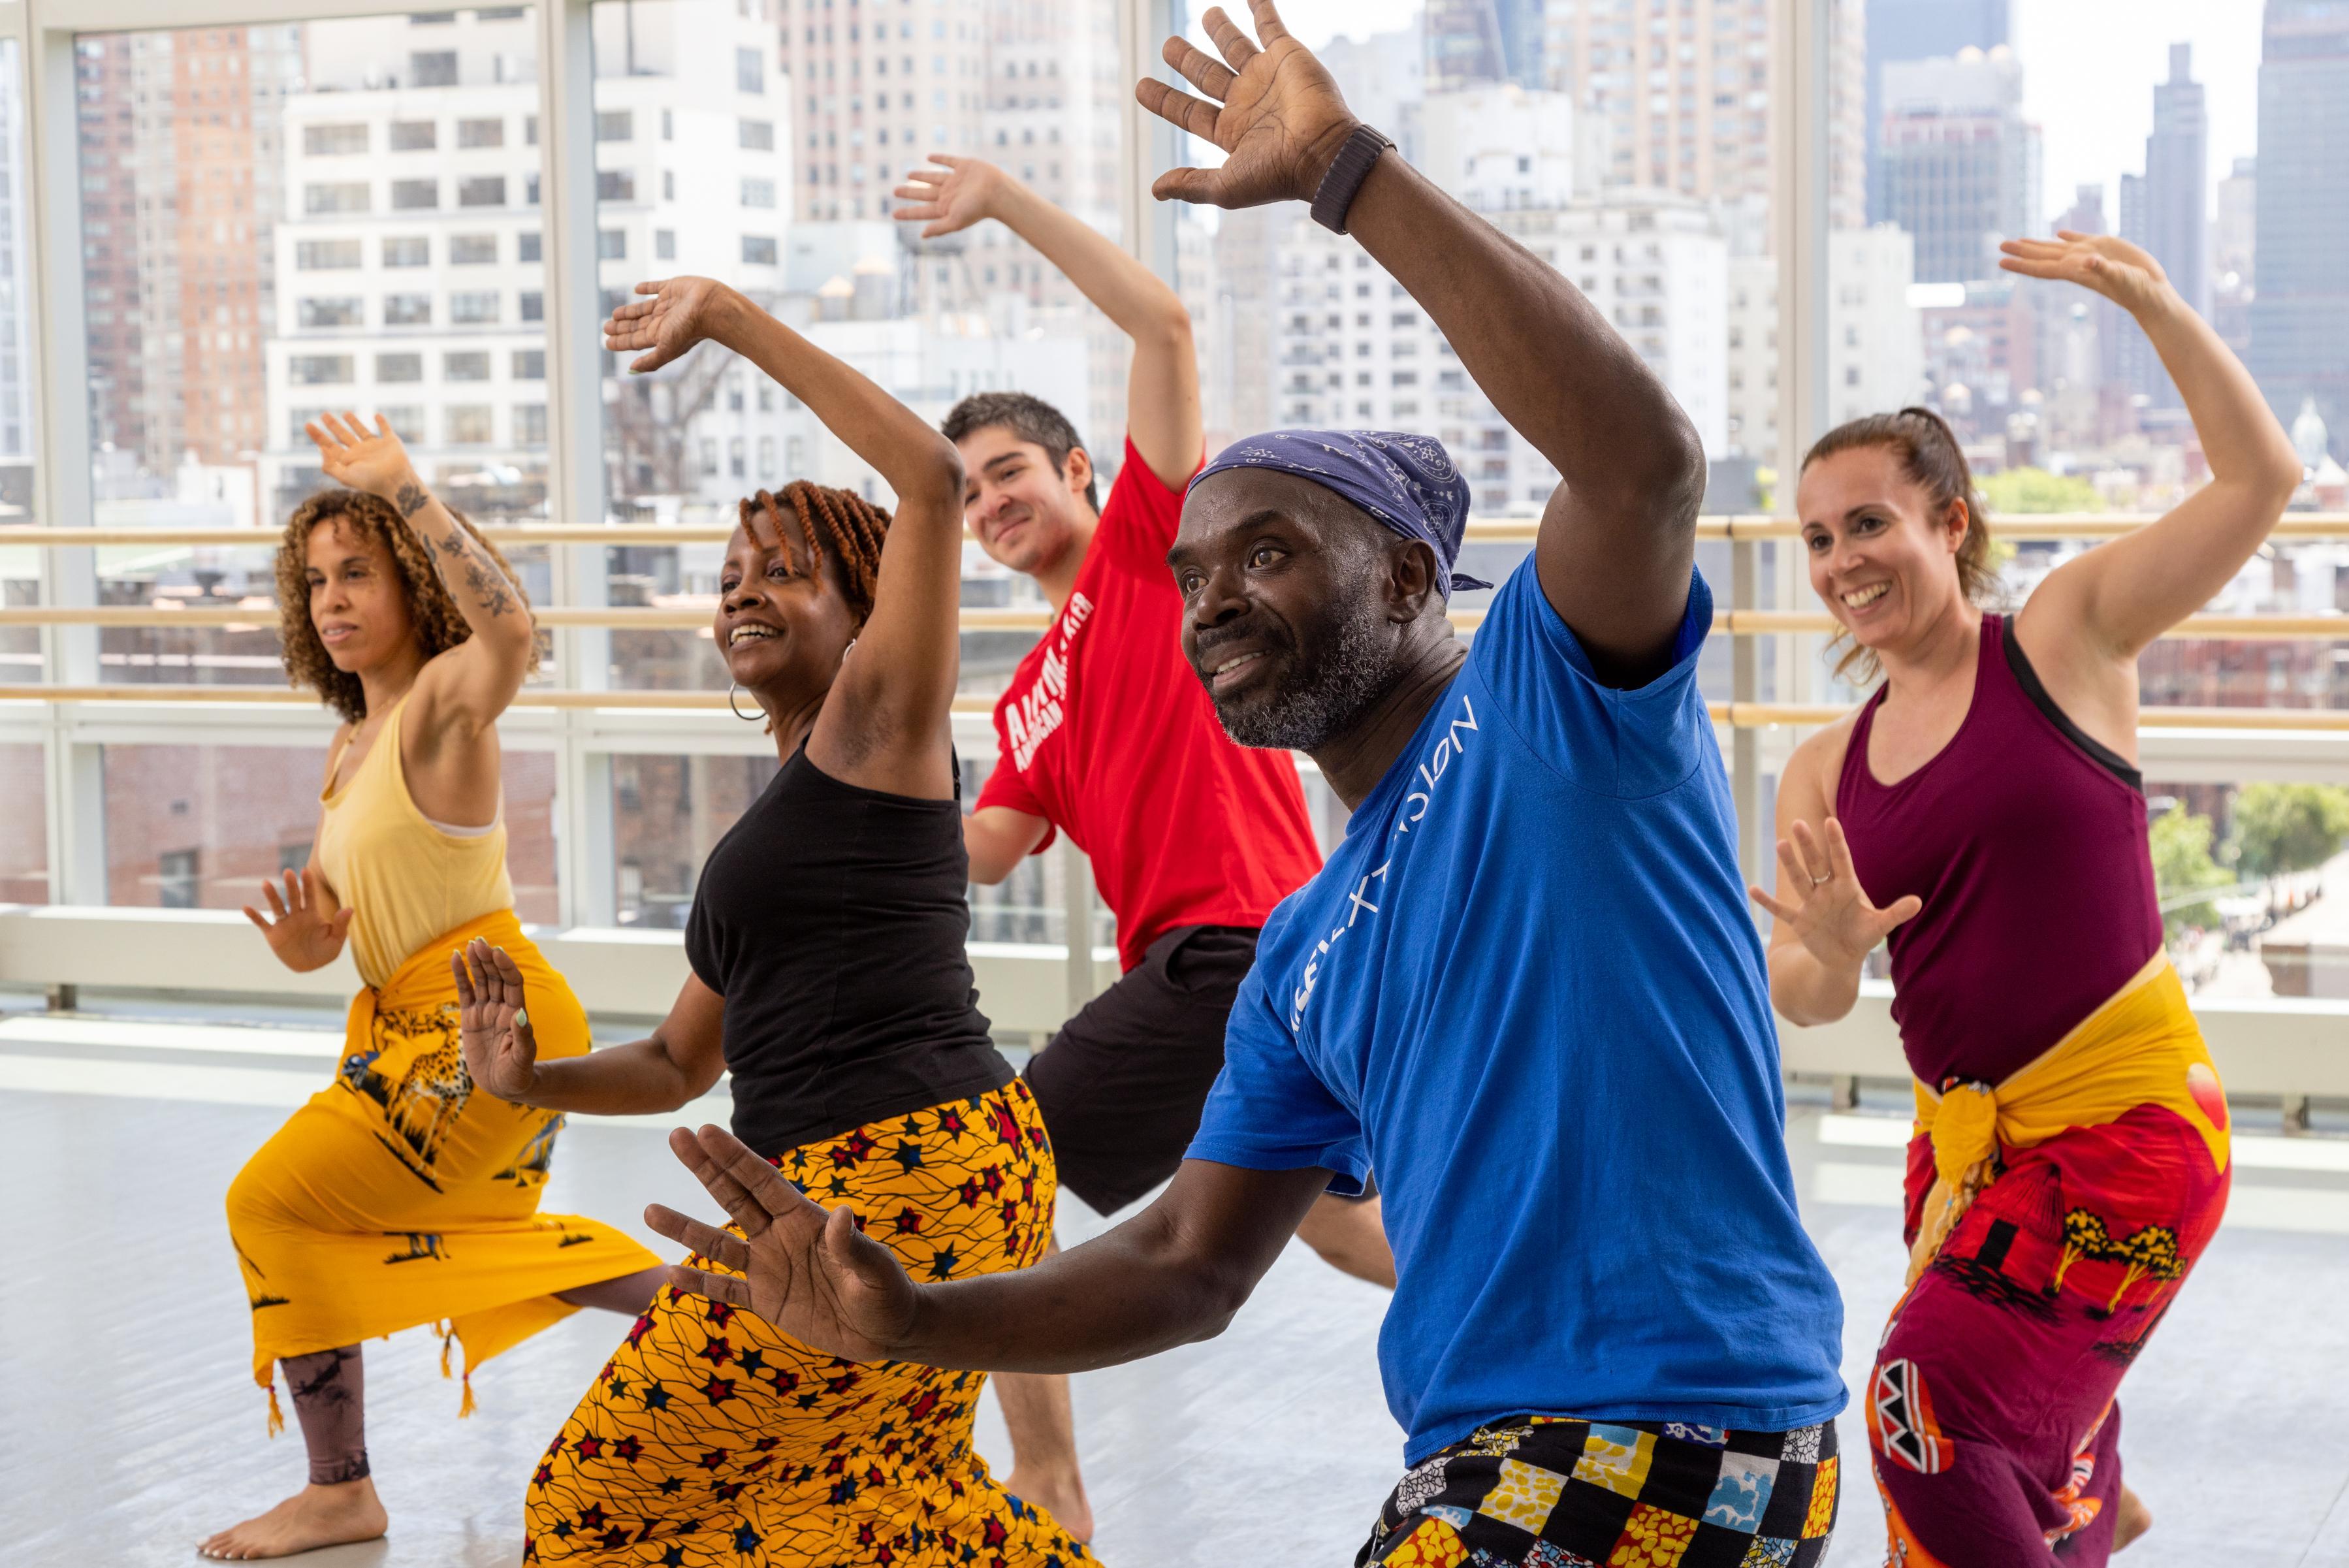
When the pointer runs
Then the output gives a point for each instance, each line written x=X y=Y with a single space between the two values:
x=1407 y=482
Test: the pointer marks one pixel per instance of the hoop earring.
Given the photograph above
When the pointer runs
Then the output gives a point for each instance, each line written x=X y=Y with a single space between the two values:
x=849 y=649
x=731 y=688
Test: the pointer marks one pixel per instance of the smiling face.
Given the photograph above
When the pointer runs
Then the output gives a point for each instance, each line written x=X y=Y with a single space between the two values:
x=358 y=604
x=1025 y=516
x=1289 y=622
x=1883 y=557
x=782 y=629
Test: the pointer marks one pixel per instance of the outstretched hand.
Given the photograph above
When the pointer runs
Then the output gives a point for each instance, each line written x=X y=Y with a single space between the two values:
x=681 y=312
x=944 y=202
x=493 y=1030
x=1831 y=912
x=371 y=460
x=810 y=1273
x=2121 y=272
x=306 y=926
x=1278 y=115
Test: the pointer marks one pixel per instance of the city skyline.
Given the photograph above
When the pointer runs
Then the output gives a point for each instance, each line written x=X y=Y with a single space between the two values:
x=2093 y=123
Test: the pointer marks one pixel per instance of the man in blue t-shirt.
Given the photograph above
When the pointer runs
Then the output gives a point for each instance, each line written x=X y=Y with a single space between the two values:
x=1525 y=990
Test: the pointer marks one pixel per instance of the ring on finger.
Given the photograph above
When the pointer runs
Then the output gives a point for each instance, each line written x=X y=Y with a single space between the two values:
x=1821 y=881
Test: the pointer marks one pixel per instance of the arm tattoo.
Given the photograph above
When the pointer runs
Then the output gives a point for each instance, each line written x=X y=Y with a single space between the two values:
x=487 y=586
x=411 y=499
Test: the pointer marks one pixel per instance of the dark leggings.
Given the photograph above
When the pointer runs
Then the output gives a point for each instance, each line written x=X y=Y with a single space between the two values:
x=329 y=1387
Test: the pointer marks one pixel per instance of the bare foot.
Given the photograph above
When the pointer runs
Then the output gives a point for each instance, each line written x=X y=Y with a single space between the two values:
x=1062 y=1497
x=2132 y=1519
x=313 y=1517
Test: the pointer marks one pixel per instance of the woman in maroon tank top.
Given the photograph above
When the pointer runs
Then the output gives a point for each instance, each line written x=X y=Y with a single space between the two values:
x=1982 y=813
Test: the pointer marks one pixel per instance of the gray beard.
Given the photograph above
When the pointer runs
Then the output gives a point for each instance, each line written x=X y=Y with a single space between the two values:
x=1356 y=669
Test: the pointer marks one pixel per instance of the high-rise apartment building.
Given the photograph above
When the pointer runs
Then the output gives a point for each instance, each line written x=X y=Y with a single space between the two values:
x=2178 y=180
x=107 y=123
x=182 y=173
x=876 y=84
x=1385 y=76
x=1351 y=347
x=2234 y=248
x=1903 y=30
x=413 y=252
x=15 y=368
x=1959 y=166
x=1054 y=103
x=2108 y=331
x=1876 y=356
x=2300 y=313
x=180 y=170
x=1681 y=94
x=1484 y=43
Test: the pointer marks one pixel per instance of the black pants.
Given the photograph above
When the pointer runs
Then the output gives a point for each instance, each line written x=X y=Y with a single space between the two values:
x=1122 y=1083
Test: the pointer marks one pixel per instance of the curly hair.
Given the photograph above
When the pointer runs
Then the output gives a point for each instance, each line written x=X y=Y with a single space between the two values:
x=836 y=523
x=432 y=615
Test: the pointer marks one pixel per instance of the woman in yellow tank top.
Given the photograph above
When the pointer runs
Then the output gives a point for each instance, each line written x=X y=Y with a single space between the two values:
x=402 y=1194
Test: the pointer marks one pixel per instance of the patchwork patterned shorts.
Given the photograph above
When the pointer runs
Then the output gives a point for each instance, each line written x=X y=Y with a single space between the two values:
x=1549 y=1491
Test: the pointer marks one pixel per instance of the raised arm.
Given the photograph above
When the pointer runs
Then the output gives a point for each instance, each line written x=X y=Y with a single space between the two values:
x=1162 y=390
x=668 y=1068
x=883 y=726
x=1617 y=538
x=472 y=684
x=2105 y=606
x=1174 y=1273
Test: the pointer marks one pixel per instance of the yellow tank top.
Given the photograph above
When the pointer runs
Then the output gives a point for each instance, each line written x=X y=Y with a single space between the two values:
x=406 y=879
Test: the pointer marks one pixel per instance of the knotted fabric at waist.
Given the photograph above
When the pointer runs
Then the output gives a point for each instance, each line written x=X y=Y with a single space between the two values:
x=2141 y=1048
x=424 y=982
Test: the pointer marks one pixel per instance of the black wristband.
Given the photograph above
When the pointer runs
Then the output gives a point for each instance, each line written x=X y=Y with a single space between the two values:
x=1346 y=173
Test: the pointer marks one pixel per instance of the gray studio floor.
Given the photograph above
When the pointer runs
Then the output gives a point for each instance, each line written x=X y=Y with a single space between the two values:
x=129 y=1429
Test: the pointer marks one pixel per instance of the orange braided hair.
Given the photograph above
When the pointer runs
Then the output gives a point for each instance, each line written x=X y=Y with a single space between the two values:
x=839 y=523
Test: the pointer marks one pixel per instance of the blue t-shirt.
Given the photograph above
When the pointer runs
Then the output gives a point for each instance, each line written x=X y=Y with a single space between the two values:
x=1527 y=992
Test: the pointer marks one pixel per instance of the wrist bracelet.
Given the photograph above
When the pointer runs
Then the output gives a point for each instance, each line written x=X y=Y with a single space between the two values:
x=1345 y=176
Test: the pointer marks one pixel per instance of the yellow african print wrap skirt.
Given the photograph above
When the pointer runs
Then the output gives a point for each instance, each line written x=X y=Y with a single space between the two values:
x=710 y=1438
x=401 y=1195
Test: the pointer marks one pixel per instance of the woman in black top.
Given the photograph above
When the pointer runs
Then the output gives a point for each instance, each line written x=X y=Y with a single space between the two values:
x=829 y=975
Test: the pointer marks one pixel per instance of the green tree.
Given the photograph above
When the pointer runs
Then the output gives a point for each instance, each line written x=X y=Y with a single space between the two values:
x=2029 y=490
x=2285 y=827
x=2182 y=863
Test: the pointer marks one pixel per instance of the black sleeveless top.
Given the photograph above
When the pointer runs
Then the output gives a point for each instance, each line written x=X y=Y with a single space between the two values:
x=833 y=921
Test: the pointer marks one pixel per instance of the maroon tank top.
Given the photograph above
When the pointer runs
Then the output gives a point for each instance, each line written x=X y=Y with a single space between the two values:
x=2026 y=841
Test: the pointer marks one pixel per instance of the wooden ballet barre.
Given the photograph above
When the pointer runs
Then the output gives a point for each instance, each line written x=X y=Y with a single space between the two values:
x=2046 y=526
x=1735 y=715
x=2276 y=627
x=1768 y=715
x=682 y=618
x=561 y=698
x=264 y=618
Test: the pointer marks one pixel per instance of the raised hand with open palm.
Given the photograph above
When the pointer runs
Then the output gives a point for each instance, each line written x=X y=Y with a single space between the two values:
x=2121 y=272
x=809 y=1272
x=679 y=313
x=945 y=202
x=1279 y=116
x=1831 y=912
x=306 y=926
x=374 y=461
x=493 y=1028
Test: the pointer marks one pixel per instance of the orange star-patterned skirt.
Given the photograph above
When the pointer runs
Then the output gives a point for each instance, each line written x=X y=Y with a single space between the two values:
x=711 y=1437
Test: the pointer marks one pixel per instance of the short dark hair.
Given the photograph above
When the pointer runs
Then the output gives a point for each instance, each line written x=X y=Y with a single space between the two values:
x=1030 y=420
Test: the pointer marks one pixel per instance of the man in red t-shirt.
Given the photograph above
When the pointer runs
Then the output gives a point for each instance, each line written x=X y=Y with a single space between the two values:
x=1105 y=734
